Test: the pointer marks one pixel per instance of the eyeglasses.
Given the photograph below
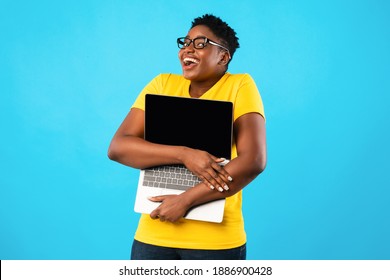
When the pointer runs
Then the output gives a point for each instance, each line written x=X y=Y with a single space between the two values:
x=198 y=43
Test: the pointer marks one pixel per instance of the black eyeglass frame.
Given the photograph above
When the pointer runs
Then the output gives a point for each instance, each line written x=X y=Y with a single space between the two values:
x=206 y=41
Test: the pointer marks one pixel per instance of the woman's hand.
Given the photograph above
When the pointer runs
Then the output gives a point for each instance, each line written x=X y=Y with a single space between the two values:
x=171 y=209
x=208 y=168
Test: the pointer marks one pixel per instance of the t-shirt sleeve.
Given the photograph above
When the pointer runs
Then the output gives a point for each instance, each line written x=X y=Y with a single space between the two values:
x=154 y=86
x=248 y=99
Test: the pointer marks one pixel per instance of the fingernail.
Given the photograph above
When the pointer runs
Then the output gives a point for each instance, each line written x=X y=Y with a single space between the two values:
x=212 y=187
x=220 y=189
x=226 y=188
x=230 y=178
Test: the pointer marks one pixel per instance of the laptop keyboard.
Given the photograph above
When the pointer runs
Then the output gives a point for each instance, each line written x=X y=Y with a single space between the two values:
x=176 y=177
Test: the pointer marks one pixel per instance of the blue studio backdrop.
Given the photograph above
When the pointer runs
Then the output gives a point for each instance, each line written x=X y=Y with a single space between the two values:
x=69 y=72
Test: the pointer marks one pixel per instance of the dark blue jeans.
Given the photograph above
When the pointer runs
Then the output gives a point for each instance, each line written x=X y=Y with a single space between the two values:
x=142 y=251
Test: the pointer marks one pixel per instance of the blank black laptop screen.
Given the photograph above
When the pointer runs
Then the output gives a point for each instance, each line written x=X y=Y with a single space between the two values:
x=196 y=123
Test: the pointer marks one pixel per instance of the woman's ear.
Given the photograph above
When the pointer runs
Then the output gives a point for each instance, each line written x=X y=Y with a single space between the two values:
x=224 y=58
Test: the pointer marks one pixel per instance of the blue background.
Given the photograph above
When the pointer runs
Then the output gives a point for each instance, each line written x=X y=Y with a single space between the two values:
x=69 y=72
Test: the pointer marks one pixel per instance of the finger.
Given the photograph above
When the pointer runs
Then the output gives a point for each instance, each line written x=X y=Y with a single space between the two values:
x=220 y=178
x=217 y=167
x=213 y=179
x=154 y=214
x=209 y=181
x=220 y=160
x=208 y=184
x=156 y=198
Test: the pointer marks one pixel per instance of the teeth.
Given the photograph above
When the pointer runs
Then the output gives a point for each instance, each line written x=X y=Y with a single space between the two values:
x=188 y=60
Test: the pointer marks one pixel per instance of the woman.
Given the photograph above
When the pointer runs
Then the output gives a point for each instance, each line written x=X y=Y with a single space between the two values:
x=204 y=54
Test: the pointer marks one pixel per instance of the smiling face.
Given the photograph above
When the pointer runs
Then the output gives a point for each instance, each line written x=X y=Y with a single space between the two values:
x=203 y=65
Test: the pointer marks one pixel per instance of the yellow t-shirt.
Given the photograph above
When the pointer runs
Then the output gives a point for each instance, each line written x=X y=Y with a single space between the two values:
x=242 y=91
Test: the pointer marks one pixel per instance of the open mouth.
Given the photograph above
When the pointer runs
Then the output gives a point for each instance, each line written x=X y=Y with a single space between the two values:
x=190 y=61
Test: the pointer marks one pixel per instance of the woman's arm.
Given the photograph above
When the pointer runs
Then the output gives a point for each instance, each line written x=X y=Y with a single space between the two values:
x=250 y=162
x=129 y=147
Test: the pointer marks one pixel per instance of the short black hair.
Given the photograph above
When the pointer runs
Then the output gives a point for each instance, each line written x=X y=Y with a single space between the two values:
x=221 y=29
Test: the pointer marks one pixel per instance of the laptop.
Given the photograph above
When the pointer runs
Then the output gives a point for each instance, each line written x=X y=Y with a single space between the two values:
x=196 y=123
